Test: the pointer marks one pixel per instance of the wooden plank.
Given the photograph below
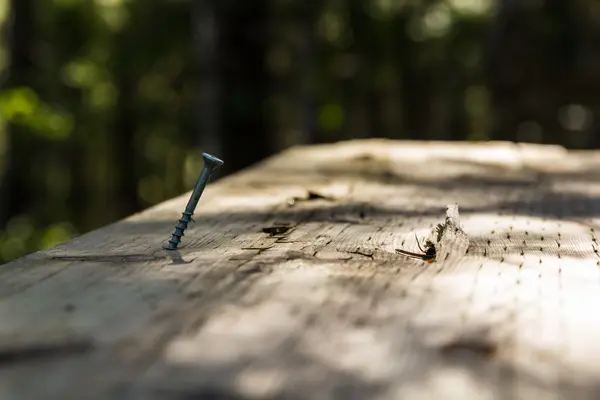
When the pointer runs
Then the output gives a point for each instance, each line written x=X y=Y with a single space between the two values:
x=289 y=284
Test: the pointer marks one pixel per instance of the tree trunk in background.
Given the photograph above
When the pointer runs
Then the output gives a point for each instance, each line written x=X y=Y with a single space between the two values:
x=361 y=107
x=586 y=78
x=125 y=151
x=500 y=54
x=292 y=72
x=205 y=42
x=125 y=126
x=307 y=73
x=531 y=69
x=241 y=49
x=15 y=188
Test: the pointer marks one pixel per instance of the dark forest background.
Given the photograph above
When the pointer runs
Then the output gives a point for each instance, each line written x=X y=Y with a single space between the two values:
x=106 y=105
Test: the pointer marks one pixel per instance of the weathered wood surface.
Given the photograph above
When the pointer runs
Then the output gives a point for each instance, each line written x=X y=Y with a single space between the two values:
x=326 y=309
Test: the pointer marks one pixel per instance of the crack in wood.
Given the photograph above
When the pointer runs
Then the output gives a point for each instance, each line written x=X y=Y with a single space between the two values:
x=364 y=253
x=40 y=349
x=113 y=258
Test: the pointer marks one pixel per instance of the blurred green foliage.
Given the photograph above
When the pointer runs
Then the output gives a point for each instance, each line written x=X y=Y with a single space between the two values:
x=106 y=105
x=21 y=106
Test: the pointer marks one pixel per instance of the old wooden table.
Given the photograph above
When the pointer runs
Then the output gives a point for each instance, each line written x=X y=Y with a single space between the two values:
x=288 y=285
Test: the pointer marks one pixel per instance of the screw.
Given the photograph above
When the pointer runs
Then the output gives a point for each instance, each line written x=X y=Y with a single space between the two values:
x=210 y=164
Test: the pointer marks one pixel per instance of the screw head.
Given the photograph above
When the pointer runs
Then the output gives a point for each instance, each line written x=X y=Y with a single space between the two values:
x=210 y=159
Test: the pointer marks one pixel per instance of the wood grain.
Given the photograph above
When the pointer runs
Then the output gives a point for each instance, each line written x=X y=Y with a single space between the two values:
x=288 y=285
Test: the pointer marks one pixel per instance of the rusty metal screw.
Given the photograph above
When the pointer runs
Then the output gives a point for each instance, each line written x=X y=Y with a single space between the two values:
x=211 y=163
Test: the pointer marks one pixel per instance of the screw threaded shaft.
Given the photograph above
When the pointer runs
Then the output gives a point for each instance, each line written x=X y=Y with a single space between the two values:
x=210 y=164
x=179 y=229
